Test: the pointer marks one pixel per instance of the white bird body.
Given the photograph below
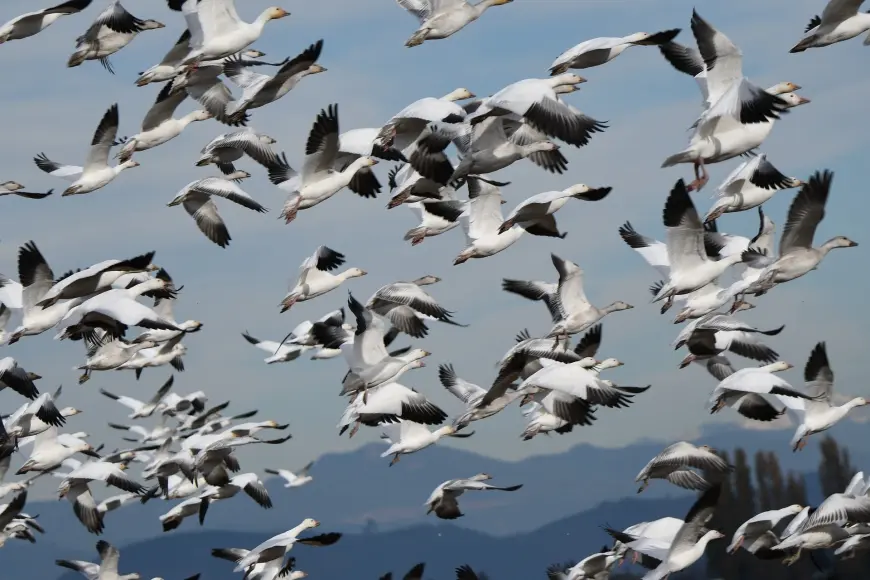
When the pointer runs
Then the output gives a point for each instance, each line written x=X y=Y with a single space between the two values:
x=441 y=19
x=32 y=23
x=408 y=437
x=840 y=20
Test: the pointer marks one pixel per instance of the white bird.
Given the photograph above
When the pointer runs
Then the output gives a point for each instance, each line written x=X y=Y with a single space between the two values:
x=479 y=402
x=542 y=421
x=537 y=101
x=406 y=305
x=389 y=403
x=168 y=68
x=598 y=51
x=318 y=180
x=75 y=488
x=226 y=148
x=36 y=416
x=197 y=198
x=277 y=352
x=90 y=570
x=675 y=462
x=757 y=380
x=49 y=451
x=820 y=413
x=549 y=202
x=757 y=527
x=315 y=278
x=13 y=376
x=443 y=502
x=592 y=567
x=409 y=437
x=113 y=29
x=142 y=409
x=482 y=218
x=840 y=20
x=248 y=482
x=159 y=126
x=33 y=23
x=96 y=172
x=691 y=540
x=258 y=90
x=713 y=334
x=277 y=546
x=575 y=312
x=293 y=479
x=440 y=19
x=752 y=183
x=179 y=512
x=690 y=267
x=797 y=256
x=217 y=31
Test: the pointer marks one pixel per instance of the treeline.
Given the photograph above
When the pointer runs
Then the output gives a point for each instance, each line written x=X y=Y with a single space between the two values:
x=758 y=484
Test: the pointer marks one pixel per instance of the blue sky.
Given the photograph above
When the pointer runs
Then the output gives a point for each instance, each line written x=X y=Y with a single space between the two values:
x=50 y=108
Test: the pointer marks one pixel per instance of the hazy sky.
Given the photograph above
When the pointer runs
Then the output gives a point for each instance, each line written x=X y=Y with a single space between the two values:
x=48 y=107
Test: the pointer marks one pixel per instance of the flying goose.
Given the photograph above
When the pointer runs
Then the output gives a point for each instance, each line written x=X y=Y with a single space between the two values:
x=33 y=23
x=96 y=173
x=291 y=478
x=113 y=29
x=713 y=334
x=840 y=20
x=549 y=202
x=443 y=502
x=598 y=51
x=818 y=414
x=197 y=198
x=675 y=464
x=159 y=126
x=277 y=546
x=439 y=20
x=315 y=278
x=408 y=437
x=406 y=305
x=318 y=180
x=142 y=409
x=224 y=149
x=751 y=184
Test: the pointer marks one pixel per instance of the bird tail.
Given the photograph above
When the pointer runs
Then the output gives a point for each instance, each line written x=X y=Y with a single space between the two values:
x=685 y=156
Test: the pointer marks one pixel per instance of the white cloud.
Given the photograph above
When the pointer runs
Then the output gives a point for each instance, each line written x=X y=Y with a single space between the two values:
x=371 y=75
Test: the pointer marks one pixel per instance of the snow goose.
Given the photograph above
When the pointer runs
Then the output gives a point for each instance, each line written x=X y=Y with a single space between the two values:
x=797 y=256
x=691 y=540
x=142 y=409
x=158 y=355
x=751 y=184
x=522 y=133
x=248 y=482
x=541 y=421
x=163 y=307
x=576 y=313
x=413 y=187
x=549 y=202
x=816 y=537
x=204 y=85
x=277 y=353
x=690 y=267
x=483 y=217
x=358 y=143
x=840 y=20
x=109 y=355
x=752 y=530
x=34 y=417
x=440 y=20
x=258 y=90
x=37 y=279
x=49 y=452
x=217 y=31
x=370 y=365
x=574 y=390
x=598 y=51
x=92 y=280
x=75 y=488
x=436 y=217
x=406 y=304
x=537 y=102
x=291 y=478
x=277 y=546
x=725 y=138
x=179 y=512
x=14 y=188
x=33 y=23
x=197 y=198
x=819 y=414
x=13 y=376
x=758 y=380
x=315 y=278
x=229 y=147
x=649 y=540
x=403 y=128
x=159 y=126
x=479 y=403
x=713 y=334
x=120 y=307
x=595 y=566
x=443 y=500
x=318 y=180
x=484 y=148
x=675 y=462
x=168 y=68
x=390 y=403
x=96 y=173
x=113 y=29
x=408 y=437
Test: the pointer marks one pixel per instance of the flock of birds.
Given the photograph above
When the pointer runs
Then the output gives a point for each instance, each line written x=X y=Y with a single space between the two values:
x=192 y=455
